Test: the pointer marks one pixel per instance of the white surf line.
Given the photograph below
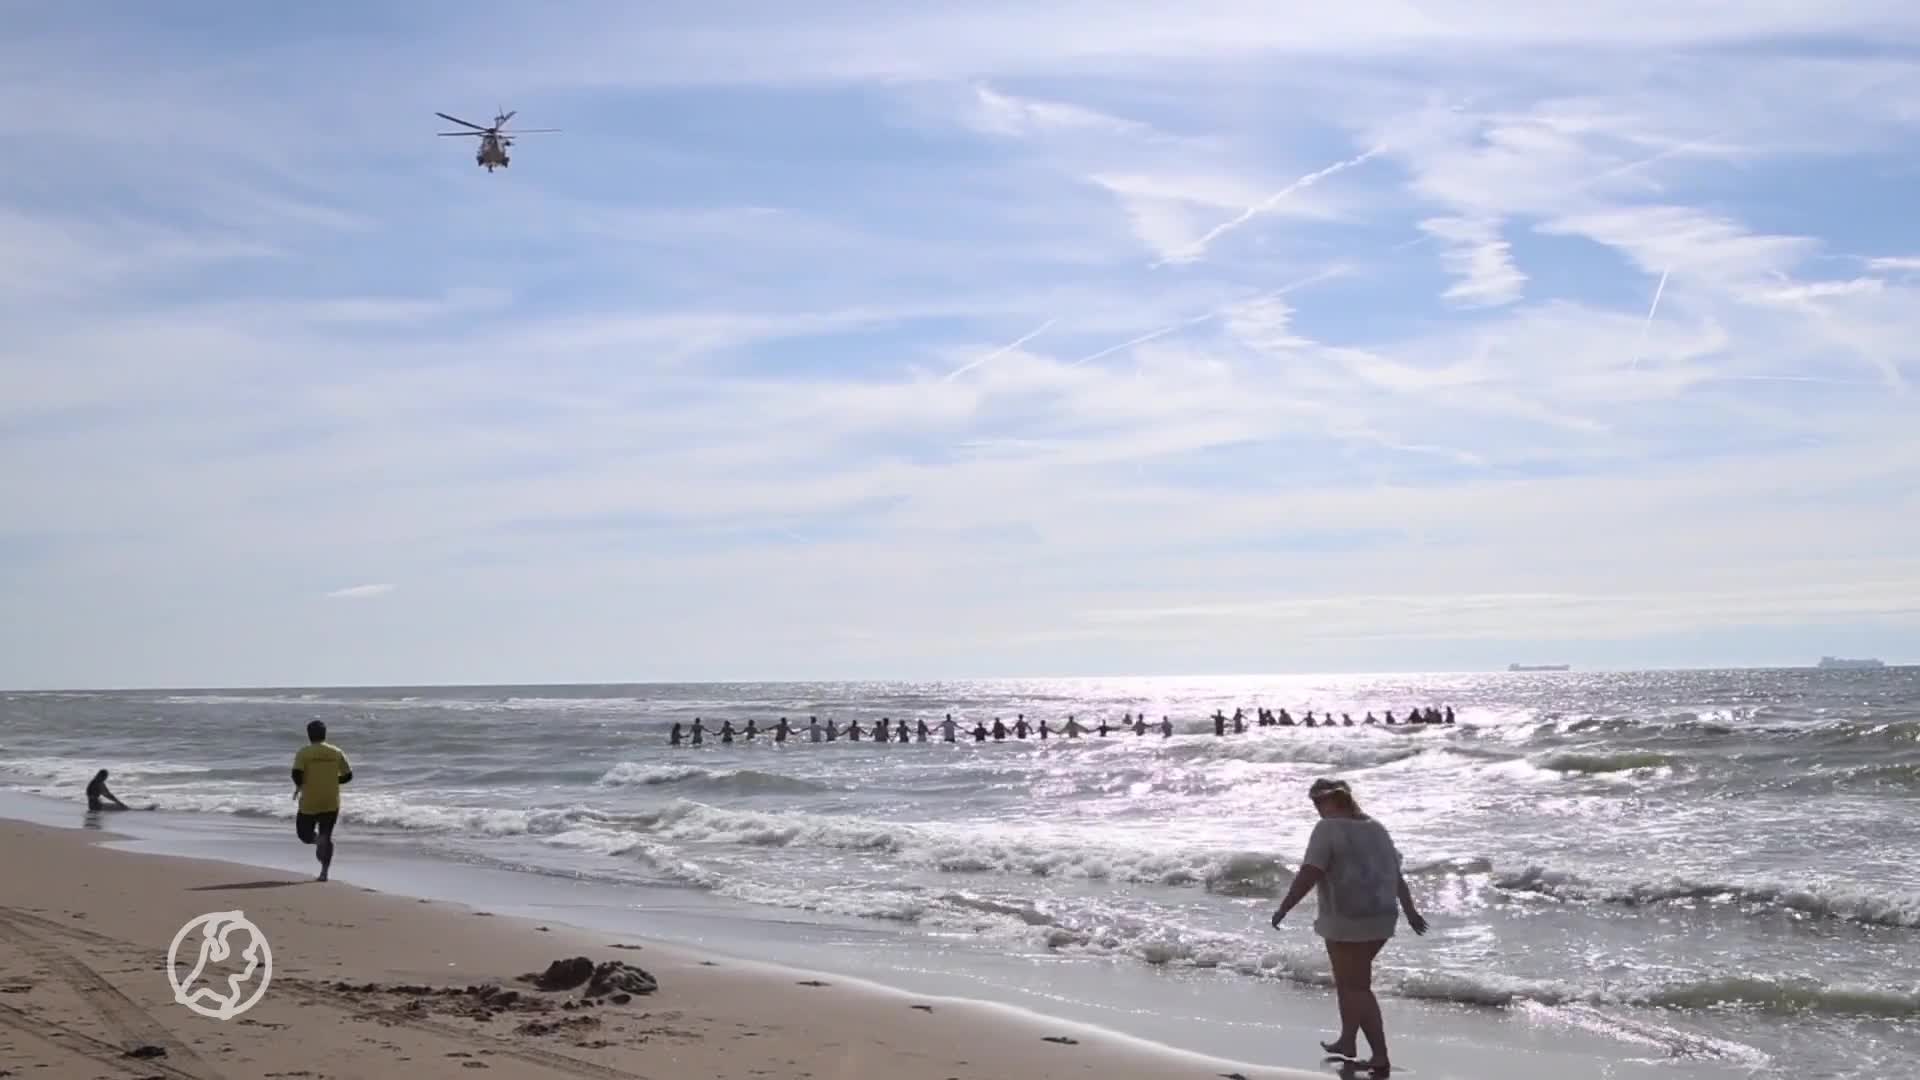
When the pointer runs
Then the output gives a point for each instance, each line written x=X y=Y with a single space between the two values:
x=1335 y=270
x=1198 y=248
x=1641 y=348
x=1001 y=351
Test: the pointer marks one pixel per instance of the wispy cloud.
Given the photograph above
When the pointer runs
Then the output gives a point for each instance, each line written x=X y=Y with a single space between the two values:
x=360 y=592
x=1476 y=254
x=1005 y=114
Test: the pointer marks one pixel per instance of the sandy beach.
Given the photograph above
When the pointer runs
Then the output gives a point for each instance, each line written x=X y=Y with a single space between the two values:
x=367 y=984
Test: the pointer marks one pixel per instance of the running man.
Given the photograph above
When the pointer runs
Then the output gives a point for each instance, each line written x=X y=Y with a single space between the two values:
x=319 y=768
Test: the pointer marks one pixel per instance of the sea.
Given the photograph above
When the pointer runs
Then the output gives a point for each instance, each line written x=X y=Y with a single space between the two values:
x=1665 y=873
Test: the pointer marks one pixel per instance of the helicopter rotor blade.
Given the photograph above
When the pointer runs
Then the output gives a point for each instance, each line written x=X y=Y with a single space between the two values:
x=477 y=134
x=529 y=131
x=504 y=117
x=457 y=120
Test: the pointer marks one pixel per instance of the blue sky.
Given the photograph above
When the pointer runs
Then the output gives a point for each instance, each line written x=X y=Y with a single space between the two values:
x=849 y=340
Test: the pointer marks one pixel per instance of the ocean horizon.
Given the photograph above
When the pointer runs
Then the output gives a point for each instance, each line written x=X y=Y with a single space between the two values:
x=1576 y=669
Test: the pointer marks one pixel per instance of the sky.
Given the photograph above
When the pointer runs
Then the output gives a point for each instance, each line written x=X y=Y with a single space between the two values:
x=837 y=341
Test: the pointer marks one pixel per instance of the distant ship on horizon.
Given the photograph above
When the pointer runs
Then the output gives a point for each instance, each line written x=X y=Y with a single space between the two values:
x=1537 y=667
x=1843 y=664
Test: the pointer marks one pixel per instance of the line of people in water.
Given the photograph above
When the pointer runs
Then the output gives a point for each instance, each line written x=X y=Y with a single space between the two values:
x=888 y=730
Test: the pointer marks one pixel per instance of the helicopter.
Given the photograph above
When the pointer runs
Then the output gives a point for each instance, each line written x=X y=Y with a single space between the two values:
x=492 y=153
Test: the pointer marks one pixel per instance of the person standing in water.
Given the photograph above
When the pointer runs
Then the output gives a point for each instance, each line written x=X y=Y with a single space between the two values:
x=1354 y=869
x=947 y=728
x=319 y=768
x=920 y=731
x=673 y=737
x=813 y=729
x=783 y=730
x=699 y=731
x=1073 y=727
x=97 y=790
x=1166 y=727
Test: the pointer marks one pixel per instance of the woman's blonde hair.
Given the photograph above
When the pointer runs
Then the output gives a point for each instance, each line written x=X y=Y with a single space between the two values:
x=1335 y=791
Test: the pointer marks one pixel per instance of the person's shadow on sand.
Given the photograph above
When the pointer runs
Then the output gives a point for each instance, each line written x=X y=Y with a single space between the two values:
x=1349 y=1069
x=246 y=885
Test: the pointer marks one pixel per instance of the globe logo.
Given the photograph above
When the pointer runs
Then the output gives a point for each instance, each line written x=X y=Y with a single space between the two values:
x=217 y=929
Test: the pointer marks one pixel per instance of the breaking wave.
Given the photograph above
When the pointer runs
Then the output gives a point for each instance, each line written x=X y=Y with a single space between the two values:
x=719 y=781
x=1595 y=764
x=1841 y=904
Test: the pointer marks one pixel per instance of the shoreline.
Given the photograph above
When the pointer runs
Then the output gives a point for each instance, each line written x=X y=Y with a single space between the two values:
x=70 y=924
x=1186 y=1021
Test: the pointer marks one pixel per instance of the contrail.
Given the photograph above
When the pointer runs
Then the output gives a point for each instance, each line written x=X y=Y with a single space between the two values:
x=1648 y=325
x=1334 y=270
x=1671 y=151
x=1142 y=339
x=1001 y=351
x=1199 y=247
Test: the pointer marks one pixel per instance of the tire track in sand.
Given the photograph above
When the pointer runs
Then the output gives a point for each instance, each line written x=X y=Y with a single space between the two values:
x=133 y=1025
x=318 y=994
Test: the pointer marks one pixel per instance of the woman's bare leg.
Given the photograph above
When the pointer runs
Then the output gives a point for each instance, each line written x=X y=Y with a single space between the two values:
x=1345 y=1045
x=1353 y=971
x=1372 y=1024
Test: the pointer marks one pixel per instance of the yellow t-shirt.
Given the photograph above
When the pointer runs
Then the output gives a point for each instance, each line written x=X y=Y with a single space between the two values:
x=321 y=765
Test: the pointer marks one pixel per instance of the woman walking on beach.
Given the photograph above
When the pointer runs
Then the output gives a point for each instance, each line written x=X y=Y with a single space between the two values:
x=1354 y=869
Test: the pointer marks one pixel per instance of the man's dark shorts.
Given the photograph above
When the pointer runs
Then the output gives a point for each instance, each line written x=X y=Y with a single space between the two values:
x=306 y=824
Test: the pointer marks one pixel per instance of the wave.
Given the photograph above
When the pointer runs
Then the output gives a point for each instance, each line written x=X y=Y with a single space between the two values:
x=447 y=704
x=63 y=772
x=1894 y=777
x=1784 y=996
x=1845 y=905
x=1592 y=763
x=725 y=781
x=1154 y=942
x=1359 y=748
